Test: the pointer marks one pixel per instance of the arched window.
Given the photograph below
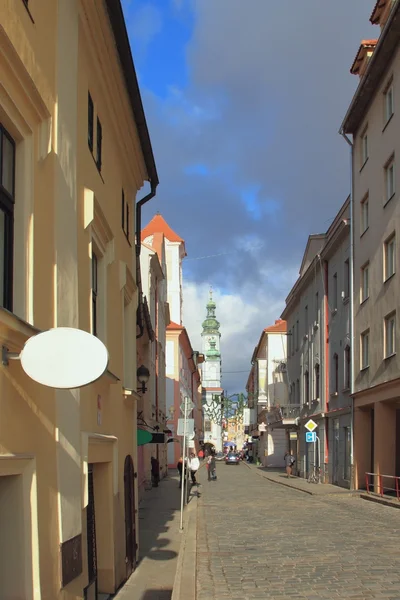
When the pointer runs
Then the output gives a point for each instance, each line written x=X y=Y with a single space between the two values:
x=317 y=381
x=335 y=374
x=347 y=369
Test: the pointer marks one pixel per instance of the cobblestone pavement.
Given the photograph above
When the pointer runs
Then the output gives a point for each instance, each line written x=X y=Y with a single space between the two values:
x=259 y=540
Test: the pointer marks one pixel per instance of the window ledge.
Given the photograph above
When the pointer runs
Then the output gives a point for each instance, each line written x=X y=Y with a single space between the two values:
x=364 y=301
x=387 y=122
x=364 y=163
x=364 y=369
x=389 y=356
x=389 y=199
x=333 y=394
x=365 y=231
x=390 y=277
x=345 y=390
x=346 y=300
x=333 y=312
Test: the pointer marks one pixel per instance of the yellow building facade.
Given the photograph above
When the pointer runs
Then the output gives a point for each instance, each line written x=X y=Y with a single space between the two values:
x=75 y=151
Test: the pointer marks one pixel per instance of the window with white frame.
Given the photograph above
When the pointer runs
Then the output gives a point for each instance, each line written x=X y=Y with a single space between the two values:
x=364 y=282
x=389 y=180
x=364 y=214
x=364 y=147
x=335 y=374
x=389 y=102
x=317 y=381
x=390 y=334
x=334 y=292
x=365 y=349
x=390 y=257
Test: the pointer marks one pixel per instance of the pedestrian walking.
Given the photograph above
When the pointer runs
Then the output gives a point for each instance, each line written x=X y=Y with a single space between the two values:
x=194 y=465
x=179 y=466
x=289 y=462
x=211 y=470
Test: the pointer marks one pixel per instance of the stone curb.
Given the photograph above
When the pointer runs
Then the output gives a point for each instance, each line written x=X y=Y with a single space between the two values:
x=185 y=577
x=380 y=500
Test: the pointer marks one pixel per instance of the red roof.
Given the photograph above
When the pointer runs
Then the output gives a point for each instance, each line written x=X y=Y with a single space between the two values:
x=378 y=9
x=159 y=225
x=173 y=325
x=279 y=327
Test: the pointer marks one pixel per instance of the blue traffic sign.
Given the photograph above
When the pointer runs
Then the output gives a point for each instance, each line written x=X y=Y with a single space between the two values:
x=311 y=436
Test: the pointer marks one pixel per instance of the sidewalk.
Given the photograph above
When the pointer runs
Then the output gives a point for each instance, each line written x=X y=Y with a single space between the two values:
x=279 y=476
x=159 y=543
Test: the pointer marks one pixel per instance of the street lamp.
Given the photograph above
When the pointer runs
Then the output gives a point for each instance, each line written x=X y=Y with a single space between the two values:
x=143 y=376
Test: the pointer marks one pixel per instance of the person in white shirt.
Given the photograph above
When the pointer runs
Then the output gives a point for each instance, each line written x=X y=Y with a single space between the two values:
x=194 y=465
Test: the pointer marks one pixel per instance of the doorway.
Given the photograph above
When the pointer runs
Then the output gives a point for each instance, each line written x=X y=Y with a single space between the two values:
x=91 y=590
x=130 y=513
x=335 y=452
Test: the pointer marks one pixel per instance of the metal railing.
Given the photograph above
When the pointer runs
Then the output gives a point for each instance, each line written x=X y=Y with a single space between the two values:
x=379 y=487
x=279 y=412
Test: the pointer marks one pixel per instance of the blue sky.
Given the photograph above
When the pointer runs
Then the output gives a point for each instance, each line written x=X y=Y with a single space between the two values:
x=244 y=101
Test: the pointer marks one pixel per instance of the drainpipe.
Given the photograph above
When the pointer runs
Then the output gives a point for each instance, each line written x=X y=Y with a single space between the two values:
x=351 y=332
x=138 y=248
x=325 y=337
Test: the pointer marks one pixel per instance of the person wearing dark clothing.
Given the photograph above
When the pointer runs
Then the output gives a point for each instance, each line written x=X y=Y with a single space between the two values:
x=179 y=466
x=289 y=462
x=155 y=471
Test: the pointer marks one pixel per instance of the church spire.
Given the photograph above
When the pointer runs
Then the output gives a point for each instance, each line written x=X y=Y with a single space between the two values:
x=210 y=324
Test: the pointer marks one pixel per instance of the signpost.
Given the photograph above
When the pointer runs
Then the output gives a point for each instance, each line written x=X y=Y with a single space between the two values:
x=185 y=466
x=311 y=436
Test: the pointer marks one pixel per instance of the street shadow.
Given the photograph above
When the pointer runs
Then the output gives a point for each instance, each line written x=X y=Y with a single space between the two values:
x=156 y=595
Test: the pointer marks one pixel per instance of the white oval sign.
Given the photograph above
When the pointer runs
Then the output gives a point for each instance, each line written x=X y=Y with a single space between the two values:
x=64 y=358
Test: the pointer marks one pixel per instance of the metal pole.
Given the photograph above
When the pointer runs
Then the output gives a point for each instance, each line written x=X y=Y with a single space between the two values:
x=183 y=465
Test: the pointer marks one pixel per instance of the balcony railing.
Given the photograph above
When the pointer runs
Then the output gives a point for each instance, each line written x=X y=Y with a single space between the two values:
x=279 y=413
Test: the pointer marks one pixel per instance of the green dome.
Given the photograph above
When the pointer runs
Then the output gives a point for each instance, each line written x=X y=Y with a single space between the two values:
x=213 y=353
x=210 y=324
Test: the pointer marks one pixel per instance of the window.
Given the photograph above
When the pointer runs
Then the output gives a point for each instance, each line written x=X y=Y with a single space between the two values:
x=125 y=215
x=99 y=140
x=306 y=388
x=389 y=102
x=364 y=147
x=365 y=349
x=95 y=280
x=346 y=278
x=317 y=381
x=7 y=199
x=364 y=214
x=389 y=180
x=298 y=392
x=317 y=308
x=390 y=335
x=334 y=292
x=347 y=453
x=347 y=372
x=364 y=282
x=90 y=122
x=335 y=374
x=390 y=257
x=297 y=334
x=306 y=320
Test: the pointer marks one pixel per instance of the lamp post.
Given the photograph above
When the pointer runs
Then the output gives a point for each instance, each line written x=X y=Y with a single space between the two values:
x=143 y=376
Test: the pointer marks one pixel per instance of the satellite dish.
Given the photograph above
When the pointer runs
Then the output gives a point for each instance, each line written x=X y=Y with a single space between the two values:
x=64 y=358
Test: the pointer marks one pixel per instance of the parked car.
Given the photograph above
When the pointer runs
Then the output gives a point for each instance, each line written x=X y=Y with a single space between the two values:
x=220 y=456
x=232 y=459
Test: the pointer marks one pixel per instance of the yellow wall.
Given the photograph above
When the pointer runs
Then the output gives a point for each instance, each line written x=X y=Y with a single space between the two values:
x=49 y=60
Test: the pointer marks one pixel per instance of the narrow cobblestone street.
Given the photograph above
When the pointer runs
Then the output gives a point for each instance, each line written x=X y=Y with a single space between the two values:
x=257 y=540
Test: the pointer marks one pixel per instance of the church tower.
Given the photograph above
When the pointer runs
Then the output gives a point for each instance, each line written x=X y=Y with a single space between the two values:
x=211 y=376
